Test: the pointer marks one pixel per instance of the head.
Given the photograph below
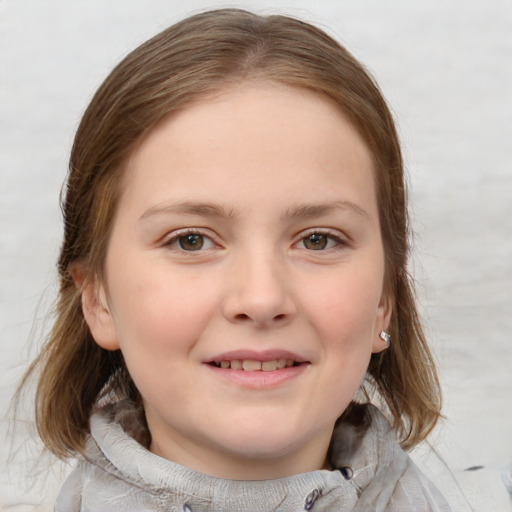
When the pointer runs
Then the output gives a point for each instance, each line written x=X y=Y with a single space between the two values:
x=200 y=58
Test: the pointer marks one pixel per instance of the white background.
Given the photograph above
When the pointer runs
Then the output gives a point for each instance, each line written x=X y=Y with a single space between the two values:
x=446 y=69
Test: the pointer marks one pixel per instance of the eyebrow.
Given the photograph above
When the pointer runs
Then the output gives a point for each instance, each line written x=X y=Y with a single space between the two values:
x=205 y=209
x=189 y=208
x=312 y=211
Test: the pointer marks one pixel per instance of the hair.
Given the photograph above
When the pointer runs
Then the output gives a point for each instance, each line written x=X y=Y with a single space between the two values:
x=197 y=57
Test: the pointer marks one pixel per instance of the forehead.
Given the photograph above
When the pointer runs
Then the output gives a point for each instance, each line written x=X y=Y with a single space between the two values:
x=241 y=137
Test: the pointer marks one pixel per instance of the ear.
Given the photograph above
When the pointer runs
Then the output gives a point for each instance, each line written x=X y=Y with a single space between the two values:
x=382 y=322
x=98 y=316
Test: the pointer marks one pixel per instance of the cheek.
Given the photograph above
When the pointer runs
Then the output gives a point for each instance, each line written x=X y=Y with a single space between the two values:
x=346 y=308
x=158 y=320
x=344 y=317
x=157 y=310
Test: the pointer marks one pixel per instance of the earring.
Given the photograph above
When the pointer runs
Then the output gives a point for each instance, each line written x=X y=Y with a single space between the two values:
x=386 y=337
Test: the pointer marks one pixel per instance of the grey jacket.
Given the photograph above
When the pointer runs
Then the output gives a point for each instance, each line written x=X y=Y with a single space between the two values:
x=117 y=474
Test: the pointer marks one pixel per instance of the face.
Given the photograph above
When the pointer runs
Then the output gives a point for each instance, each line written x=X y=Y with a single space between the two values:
x=244 y=280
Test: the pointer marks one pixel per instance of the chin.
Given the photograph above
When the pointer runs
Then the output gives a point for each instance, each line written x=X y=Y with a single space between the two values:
x=264 y=443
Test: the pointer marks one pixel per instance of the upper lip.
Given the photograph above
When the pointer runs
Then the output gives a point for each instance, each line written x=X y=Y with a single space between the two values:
x=256 y=355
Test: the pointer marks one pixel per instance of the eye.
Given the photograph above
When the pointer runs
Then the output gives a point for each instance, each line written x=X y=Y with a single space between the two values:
x=318 y=241
x=190 y=241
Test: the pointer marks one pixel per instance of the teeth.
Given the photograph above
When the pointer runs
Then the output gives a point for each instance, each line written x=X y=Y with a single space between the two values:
x=250 y=365
x=268 y=366
x=236 y=365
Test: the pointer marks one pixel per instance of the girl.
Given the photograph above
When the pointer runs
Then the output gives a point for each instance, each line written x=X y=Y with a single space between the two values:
x=234 y=288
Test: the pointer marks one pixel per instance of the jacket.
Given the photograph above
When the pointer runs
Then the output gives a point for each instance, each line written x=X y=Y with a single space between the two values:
x=117 y=474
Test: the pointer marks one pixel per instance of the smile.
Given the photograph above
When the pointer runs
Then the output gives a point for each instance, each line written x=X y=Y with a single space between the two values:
x=257 y=374
x=257 y=369
x=252 y=365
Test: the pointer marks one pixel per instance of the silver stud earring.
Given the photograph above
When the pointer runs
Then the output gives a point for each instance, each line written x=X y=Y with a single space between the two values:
x=386 y=337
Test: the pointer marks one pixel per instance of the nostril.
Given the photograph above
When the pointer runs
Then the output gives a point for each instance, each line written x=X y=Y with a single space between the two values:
x=244 y=317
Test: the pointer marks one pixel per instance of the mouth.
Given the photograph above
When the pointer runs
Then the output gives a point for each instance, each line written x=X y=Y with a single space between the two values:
x=255 y=365
x=254 y=369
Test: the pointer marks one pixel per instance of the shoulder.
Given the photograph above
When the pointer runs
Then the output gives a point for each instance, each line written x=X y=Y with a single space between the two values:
x=108 y=467
x=385 y=476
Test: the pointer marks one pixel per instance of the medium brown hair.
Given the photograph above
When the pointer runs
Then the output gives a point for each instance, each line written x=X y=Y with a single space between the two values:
x=196 y=57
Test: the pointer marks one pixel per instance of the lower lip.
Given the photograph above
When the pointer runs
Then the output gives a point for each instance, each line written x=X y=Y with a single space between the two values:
x=259 y=379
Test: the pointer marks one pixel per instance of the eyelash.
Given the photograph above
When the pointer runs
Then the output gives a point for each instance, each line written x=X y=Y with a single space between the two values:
x=340 y=243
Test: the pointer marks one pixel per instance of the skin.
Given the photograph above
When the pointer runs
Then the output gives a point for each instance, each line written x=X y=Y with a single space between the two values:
x=254 y=172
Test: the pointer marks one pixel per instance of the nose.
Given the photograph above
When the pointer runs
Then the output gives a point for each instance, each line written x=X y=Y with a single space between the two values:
x=259 y=291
